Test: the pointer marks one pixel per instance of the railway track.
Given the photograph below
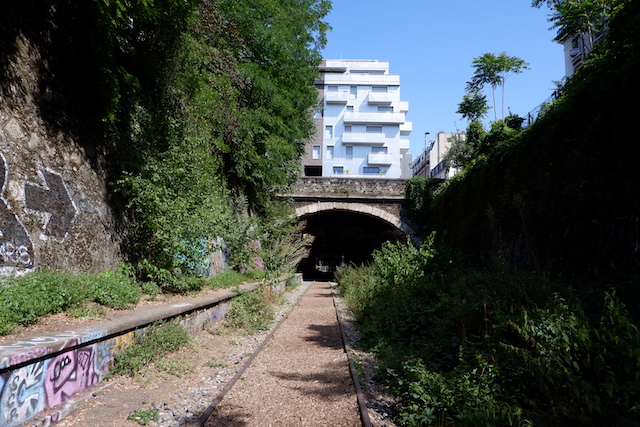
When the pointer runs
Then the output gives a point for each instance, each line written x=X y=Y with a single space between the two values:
x=276 y=377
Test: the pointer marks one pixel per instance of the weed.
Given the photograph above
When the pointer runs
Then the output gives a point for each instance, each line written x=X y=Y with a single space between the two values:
x=158 y=340
x=87 y=311
x=251 y=312
x=145 y=416
x=176 y=367
x=215 y=365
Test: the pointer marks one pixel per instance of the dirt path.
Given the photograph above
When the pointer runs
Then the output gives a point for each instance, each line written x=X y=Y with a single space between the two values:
x=301 y=378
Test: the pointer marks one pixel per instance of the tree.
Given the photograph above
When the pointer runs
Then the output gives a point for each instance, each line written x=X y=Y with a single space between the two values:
x=585 y=19
x=465 y=146
x=494 y=70
x=473 y=106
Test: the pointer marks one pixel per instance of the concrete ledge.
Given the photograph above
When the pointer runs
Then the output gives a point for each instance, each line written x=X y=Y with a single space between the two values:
x=53 y=371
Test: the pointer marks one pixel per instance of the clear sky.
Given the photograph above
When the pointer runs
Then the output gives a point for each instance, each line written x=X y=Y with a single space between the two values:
x=432 y=43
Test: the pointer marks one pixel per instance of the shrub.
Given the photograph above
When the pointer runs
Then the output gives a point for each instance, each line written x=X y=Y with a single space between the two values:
x=115 y=289
x=251 y=312
x=158 y=340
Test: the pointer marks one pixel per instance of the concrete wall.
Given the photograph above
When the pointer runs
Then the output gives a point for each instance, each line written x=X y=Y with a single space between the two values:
x=53 y=201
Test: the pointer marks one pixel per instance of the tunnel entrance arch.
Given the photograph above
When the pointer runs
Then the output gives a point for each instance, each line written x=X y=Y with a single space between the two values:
x=345 y=233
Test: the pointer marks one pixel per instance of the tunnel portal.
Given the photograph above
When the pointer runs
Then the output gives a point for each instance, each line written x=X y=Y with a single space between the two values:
x=343 y=236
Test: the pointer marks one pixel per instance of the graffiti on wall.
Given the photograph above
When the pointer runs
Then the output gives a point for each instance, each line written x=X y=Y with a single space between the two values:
x=53 y=203
x=44 y=384
x=50 y=201
x=16 y=249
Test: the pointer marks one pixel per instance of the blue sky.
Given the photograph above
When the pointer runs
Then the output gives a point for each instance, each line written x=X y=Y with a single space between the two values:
x=432 y=43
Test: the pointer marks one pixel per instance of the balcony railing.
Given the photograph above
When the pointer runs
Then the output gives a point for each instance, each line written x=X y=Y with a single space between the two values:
x=374 y=117
x=380 y=159
x=381 y=98
x=364 y=138
x=340 y=97
x=406 y=128
x=360 y=79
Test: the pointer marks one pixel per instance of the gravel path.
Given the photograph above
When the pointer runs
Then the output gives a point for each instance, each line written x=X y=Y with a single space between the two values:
x=302 y=376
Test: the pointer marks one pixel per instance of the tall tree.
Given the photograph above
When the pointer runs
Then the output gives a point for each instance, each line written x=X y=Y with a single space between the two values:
x=473 y=106
x=494 y=70
x=585 y=19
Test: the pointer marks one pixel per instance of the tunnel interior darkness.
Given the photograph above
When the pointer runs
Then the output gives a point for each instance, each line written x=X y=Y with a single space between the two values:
x=346 y=236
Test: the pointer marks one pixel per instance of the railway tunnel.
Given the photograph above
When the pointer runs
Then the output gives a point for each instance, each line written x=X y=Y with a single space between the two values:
x=343 y=236
x=347 y=219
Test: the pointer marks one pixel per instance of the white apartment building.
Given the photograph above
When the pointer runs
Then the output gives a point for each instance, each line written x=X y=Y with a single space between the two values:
x=361 y=123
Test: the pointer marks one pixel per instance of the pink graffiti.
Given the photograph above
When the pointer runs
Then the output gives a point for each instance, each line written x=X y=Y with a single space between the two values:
x=257 y=263
x=29 y=355
x=68 y=374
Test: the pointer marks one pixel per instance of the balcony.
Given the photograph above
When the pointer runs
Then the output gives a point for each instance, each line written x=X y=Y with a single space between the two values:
x=364 y=138
x=360 y=79
x=406 y=128
x=380 y=159
x=380 y=98
x=360 y=117
x=336 y=97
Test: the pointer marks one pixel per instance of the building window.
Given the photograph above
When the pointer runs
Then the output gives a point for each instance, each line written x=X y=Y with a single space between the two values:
x=315 y=154
x=338 y=170
x=379 y=89
x=347 y=128
x=349 y=107
x=330 y=152
x=332 y=88
x=353 y=92
x=328 y=132
x=348 y=151
x=317 y=114
x=385 y=109
x=374 y=129
x=382 y=150
x=372 y=170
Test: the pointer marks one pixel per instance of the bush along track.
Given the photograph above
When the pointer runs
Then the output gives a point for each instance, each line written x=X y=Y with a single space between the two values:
x=464 y=346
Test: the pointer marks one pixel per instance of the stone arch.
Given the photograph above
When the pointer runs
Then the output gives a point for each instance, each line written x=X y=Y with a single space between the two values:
x=362 y=208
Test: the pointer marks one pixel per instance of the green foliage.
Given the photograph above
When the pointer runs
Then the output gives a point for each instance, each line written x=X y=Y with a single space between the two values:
x=252 y=312
x=582 y=227
x=419 y=194
x=494 y=70
x=472 y=347
x=469 y=395
x=473 y=106
x=115 y=289
x=25 y=299
x=589 y=372
x=156 y=341
x=145 y=416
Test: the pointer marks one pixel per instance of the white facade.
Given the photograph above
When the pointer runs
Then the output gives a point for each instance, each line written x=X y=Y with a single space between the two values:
x=361 y=128
x=431 y=163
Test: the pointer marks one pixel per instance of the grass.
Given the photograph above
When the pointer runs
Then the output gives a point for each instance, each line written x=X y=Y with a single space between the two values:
x=145 y=416
x=26 y=299
x=159 y=339
x=252 y=312
x=176 y=367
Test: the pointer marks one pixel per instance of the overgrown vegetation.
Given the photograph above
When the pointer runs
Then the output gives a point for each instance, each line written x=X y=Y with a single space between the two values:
x=465 y=346
x=199 y=112
x=522 y=308
x=145 y=416
x=157 y=340
x=24 y=299
x=252 y=311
